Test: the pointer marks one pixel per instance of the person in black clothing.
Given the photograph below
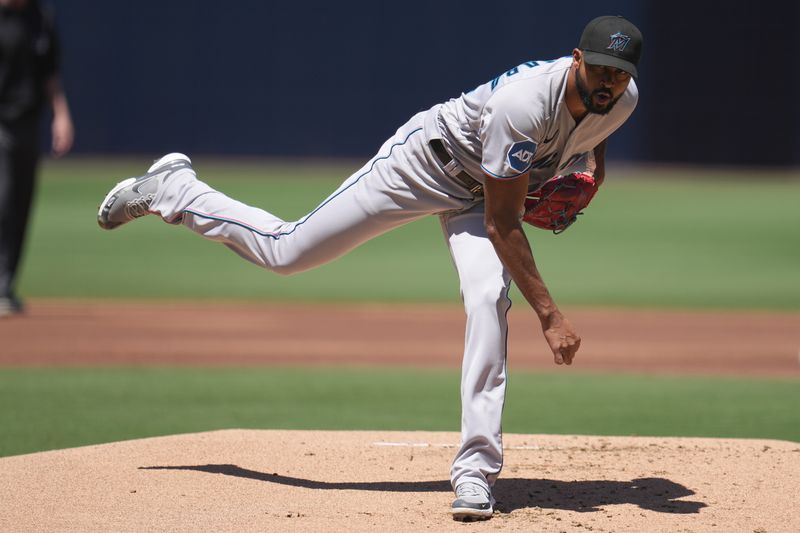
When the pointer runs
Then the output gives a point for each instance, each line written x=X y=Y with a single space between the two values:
x=29 y=80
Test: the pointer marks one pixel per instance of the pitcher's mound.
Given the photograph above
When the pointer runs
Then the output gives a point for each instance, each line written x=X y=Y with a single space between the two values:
x=240 y=480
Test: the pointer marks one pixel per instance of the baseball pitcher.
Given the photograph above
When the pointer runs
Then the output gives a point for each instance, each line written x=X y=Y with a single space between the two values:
x=528 y=146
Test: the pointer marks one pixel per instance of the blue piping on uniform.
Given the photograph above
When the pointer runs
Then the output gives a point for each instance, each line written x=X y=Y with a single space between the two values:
x=505 y=177
x=277 y=236
x=505 y=383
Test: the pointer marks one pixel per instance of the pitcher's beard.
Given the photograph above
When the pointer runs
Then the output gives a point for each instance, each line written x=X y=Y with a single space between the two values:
x=588 y=98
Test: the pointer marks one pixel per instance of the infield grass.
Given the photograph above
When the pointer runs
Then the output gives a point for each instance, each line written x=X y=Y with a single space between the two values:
x=54 y=408
x=650 y=238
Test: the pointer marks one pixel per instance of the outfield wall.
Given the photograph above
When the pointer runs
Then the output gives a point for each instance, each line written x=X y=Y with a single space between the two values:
x=336 y=79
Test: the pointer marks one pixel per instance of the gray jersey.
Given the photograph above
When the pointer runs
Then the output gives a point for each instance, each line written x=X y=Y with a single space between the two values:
x=519 y=122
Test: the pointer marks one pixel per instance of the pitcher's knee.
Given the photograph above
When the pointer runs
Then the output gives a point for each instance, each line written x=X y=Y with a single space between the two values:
x=291 y=265
x=285 y=270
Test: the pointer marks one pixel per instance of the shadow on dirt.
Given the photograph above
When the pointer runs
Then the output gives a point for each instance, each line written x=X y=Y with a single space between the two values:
x=653 y=494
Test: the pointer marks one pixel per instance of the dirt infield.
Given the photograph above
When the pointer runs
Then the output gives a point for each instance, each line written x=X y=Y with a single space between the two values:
x=368 y=481
x=125 y=333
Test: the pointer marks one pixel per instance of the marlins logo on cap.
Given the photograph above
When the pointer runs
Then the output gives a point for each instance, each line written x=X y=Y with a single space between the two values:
x=618 y=42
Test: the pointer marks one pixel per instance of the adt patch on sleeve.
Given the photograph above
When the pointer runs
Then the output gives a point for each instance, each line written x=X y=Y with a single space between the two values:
x=520 y=155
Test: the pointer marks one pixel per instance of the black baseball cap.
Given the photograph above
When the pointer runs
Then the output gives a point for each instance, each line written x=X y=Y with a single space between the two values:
x=612 y=41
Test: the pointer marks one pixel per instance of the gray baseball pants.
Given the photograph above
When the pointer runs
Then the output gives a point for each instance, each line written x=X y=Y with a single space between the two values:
x=403 y=182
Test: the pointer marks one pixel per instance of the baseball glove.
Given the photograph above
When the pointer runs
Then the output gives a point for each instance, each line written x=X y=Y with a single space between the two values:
x=557 y=203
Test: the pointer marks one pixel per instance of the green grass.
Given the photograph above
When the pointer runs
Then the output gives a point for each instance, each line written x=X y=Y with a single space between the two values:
x=55 y=408
x=663 y=239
